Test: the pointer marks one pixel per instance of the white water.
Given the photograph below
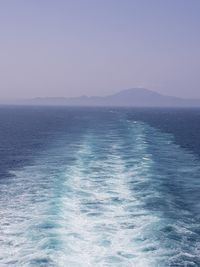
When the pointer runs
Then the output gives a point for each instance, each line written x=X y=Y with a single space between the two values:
x=91 y=206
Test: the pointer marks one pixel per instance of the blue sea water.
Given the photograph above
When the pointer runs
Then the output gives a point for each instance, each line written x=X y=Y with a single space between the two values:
x=98 y=187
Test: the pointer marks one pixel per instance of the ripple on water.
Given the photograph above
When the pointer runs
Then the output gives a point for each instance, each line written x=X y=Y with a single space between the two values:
x=112 y=202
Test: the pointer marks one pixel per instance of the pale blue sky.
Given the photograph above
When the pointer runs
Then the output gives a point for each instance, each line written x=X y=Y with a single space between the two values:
x=97 y=47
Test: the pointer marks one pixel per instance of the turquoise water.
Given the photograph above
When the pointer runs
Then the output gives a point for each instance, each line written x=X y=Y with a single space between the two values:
x=96 y=188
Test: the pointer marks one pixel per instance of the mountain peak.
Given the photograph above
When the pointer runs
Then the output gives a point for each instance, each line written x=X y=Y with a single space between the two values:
x=136 y=91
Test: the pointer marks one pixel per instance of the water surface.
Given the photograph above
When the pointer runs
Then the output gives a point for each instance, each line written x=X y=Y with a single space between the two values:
x=99 y=187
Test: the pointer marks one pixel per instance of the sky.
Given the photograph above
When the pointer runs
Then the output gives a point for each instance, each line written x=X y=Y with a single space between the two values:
x=98 y=47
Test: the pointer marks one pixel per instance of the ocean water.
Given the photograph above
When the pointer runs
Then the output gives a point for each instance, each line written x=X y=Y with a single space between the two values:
x=99 y=187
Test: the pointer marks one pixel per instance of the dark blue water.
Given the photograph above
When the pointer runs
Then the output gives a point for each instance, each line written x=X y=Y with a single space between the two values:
x=99 y=187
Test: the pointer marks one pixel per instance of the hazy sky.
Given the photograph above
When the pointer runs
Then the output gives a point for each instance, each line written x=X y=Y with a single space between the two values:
x=97 y=47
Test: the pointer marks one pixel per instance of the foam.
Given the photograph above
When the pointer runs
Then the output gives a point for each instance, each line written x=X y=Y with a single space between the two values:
x=109 y=206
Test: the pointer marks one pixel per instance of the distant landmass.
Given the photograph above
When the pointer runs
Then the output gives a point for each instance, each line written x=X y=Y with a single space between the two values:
x=134 y=97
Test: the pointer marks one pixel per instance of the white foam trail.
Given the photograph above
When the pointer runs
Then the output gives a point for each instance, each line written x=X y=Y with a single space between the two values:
x=104 y=224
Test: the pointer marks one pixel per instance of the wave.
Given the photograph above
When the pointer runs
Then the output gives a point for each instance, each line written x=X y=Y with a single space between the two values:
x=121 y=196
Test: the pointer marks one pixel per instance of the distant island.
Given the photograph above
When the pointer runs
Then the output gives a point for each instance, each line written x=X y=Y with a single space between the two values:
x=134 y=97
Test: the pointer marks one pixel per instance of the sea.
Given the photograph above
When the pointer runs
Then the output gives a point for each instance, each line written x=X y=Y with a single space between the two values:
x=99 y=187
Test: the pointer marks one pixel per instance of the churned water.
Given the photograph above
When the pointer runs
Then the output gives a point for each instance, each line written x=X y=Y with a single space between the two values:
x=99 y=187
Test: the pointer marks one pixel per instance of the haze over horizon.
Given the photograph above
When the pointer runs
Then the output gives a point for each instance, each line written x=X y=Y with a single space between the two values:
x=111 y=94
x=132 y=97
x=97 y=48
